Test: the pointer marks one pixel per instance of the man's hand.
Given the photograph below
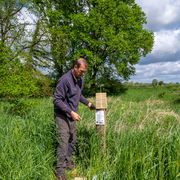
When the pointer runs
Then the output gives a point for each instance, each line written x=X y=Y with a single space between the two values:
x=91 y=106
x=75 y=116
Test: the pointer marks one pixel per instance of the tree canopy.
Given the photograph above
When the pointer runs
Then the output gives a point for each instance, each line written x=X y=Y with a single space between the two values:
x=104 y=32
x=19 y=51
x=109 y=34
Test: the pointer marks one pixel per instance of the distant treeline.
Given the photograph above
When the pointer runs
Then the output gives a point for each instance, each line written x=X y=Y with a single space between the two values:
x=154 y=83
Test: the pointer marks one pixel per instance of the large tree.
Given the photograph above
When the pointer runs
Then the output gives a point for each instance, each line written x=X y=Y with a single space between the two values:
x=57 y=42
x=16 y=27
x=105 y=32
x=19 y=47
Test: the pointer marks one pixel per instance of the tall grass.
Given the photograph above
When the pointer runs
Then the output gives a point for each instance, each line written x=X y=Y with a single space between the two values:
x=27 y=144
x=142 y=139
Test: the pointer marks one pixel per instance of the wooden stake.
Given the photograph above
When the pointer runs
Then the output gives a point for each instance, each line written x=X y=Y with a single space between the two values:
x=101 y=106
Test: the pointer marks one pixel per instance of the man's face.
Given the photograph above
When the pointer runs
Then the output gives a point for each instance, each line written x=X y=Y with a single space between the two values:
x=78 y=72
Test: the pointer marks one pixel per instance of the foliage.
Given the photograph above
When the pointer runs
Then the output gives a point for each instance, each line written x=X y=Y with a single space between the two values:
x=56 y=42
x=90 y=92
x=107 y=37
x=27 y=143
x=83 y=142
x=131 y=83
x=161 y=94
x=108 y=83
x=136 y=83
x=12 y=31
x=19 y=107
x=16 y=34
x=100 y=31
x=170 y=83
x=142 y=139
x=113 y=86
x=160 y=83
x=107 y=34
x=19 y=80
x=154 y=82
x=20 y=54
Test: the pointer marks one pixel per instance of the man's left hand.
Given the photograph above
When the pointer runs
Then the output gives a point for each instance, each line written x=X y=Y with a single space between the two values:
x=91 y=106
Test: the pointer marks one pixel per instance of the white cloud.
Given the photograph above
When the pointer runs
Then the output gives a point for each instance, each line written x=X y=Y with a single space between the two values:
x=161 y=14
x=167 y=42
x=167 y=72
x=166 y=47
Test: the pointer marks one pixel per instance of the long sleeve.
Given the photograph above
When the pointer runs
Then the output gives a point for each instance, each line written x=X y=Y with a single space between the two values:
x=59 y=96
x=83 y=100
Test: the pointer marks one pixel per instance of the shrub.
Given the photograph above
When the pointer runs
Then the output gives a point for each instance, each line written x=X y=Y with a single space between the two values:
x=160 y=83
x=112 y=86
x=131 y=83
x=19 y=107
x=89 y=91
x=19 y=80
x=161 y=94
x=154 y=82
x=170 y=84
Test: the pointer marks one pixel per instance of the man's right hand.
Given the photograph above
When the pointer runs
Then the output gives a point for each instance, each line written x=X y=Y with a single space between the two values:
x=75 y=116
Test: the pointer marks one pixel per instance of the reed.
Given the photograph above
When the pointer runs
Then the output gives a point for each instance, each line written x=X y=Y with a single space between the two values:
x=142 y=139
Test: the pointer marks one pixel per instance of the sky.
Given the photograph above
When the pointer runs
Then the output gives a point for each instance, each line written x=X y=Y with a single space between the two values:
x=163 y=63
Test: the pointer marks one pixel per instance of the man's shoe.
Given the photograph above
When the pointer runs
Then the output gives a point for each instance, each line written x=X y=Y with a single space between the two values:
x=61 y=178
x=70 y=166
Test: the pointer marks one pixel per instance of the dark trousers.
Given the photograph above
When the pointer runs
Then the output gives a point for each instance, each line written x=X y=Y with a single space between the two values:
x=66 y=134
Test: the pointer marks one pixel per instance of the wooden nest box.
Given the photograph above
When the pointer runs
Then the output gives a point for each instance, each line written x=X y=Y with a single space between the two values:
x=101 y=101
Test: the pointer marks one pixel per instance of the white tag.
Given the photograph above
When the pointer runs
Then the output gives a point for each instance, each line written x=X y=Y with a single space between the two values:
x=100 y=117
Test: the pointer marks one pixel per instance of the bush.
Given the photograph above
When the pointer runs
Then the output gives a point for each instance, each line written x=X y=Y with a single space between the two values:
x=131 y=83
x=19 y=80
x=161 y=94
x=160 y=83
x=154 y=82
x=18 y=107
x=112 y=86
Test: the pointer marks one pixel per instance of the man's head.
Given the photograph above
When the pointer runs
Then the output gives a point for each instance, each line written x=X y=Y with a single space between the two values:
x=80 y=67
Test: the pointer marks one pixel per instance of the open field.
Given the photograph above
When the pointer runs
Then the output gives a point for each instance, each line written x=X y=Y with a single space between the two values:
x=142 y=139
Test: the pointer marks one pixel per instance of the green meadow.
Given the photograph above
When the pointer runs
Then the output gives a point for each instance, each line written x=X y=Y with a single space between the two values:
x=142 y=138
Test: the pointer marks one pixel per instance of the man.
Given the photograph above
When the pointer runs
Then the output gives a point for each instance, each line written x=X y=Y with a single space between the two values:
x=66 y=102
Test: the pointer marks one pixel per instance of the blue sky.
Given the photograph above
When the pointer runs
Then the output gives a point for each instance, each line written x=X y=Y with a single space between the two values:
x=163 y=63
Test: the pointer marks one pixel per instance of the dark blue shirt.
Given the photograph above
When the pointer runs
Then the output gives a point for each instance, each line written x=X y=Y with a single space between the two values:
x=67 y=94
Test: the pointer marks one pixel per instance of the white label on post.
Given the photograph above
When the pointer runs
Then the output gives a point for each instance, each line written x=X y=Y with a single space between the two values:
x=100 y=117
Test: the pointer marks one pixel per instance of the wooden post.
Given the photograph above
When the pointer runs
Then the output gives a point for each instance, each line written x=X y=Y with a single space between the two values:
x=101 y=106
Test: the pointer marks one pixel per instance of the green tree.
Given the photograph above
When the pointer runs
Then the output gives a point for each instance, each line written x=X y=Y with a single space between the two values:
x=160 y=83
x=55 y=37
x=126 y=83
x=154 y=82
x=111 y=32
x=14 y=32
x=170 y=83
x=18 y=49
x=103 y=32
x=131 y=83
